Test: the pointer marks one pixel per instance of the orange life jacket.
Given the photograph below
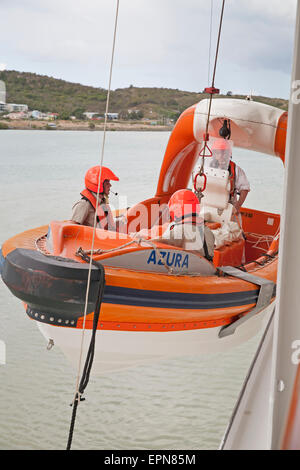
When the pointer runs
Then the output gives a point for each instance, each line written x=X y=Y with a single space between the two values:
x=104 y=215
x=232 y=176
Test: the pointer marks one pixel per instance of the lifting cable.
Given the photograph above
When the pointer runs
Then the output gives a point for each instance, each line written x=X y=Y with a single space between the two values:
x=211 y=91
x=210 y=38
x=82 y=383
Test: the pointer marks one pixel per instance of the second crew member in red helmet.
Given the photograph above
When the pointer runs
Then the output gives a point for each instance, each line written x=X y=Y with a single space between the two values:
x=84 y=210
x=187 y=229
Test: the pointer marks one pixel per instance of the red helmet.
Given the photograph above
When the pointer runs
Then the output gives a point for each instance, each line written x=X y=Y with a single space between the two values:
x=92 y=178
x=220 y=144
x=182 y=203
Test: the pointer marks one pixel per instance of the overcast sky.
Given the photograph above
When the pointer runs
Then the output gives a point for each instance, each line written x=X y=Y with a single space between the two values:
x=160 y=43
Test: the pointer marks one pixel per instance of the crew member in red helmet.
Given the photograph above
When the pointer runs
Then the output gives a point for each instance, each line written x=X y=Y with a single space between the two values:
x=239 y=184
x=187 y=229
x=84 y=210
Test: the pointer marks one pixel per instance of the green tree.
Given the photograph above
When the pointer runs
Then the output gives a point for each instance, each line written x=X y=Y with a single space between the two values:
x=140 y=115
x=65 y=116
x=78 y=113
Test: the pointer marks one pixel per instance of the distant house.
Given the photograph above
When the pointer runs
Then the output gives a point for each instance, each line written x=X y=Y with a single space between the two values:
x=112 y=116
x=10 y=107
x=89 y=115
x=2 y=92
x=16 y=108
x=36 y=114
x=52 y=116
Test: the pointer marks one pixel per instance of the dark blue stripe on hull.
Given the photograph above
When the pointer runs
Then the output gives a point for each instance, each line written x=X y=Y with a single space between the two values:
x=175 y=300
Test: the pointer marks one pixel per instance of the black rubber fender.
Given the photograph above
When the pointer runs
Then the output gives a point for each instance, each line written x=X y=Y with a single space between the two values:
x=49 y=284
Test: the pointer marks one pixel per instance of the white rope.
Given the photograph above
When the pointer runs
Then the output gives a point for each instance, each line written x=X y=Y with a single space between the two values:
x=259 y=240
x=101 y=251
x=97 y=199
x=138 y=239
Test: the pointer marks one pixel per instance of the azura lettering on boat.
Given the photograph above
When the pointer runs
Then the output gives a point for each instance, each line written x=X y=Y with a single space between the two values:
x=176 y=260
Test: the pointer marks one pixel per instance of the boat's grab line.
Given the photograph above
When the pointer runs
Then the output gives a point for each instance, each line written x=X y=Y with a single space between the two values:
x=136 y=239
x=57 y=320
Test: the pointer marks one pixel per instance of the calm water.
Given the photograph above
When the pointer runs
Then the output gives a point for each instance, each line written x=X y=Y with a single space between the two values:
x=177 y=404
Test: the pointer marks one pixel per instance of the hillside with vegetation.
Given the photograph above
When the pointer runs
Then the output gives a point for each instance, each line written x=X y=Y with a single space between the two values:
x=48 y=94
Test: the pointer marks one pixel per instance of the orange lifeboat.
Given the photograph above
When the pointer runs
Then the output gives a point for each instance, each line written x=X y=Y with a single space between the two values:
x=158 y=300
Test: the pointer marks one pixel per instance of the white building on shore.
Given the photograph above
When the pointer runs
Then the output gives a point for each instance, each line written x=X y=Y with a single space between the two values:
x=2 y=96
x=10 y=107
x=112 y=116
x=16 y=108
x=2 y=92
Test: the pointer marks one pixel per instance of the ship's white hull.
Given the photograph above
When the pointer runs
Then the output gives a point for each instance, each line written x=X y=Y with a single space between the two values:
x=116 y=350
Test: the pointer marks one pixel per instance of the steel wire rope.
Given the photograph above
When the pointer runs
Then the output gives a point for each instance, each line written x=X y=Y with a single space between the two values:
x=213 y=81
x=89 y=359
x=210 y=39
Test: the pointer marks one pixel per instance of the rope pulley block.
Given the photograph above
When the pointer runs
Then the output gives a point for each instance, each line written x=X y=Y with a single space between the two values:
x=212 y=91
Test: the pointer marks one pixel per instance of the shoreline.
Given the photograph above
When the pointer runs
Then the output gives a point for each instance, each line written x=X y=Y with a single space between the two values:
x=82 y=126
